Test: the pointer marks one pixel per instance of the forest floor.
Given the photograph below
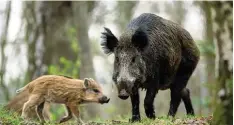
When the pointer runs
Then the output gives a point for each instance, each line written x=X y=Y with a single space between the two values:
x=8 y=118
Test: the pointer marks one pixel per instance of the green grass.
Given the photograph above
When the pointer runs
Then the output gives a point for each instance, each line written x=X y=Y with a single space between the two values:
x=10 y=118
x=160 y=121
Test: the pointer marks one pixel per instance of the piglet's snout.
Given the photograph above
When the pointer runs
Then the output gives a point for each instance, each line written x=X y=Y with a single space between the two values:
x=104 y=99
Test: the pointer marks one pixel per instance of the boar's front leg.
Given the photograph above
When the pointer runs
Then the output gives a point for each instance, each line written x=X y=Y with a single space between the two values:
x=135 y=105
x=148 y=102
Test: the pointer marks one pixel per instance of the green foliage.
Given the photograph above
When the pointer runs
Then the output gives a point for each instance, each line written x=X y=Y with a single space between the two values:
x=229 y=84
x=206 y=48
x=65 y=67
x=72 y=35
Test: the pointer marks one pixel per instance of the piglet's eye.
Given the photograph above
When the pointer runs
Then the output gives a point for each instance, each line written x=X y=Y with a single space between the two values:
x=96 y=91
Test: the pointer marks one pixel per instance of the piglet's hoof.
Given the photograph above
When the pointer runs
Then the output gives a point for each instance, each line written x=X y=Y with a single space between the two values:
x=135 y=118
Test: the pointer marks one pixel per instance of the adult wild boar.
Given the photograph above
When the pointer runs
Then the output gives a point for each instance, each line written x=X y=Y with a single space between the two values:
x=155 y=54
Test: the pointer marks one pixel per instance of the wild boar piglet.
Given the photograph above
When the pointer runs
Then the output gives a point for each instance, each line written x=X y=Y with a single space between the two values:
x=64 y=90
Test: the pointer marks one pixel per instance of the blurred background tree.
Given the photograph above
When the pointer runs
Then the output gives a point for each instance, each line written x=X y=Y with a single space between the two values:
x=45 y=37
x=223 y=35
x=3 y=55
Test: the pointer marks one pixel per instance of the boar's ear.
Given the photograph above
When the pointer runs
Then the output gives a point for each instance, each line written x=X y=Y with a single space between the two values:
x=86 y=83
x=140 y=39
x=109 y=41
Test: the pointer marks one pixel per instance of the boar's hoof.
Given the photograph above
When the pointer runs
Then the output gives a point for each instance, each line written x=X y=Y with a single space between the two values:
x=151 y=116
x=135 y=118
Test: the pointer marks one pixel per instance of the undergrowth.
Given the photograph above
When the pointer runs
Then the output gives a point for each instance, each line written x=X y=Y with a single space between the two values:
x=11 y=118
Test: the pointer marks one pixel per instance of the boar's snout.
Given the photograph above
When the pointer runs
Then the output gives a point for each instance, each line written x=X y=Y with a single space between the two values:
x=104 y=99
x=123 y=94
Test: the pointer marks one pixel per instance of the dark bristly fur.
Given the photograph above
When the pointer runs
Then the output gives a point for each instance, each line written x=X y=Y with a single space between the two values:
x=108 y=40
x=152 y=53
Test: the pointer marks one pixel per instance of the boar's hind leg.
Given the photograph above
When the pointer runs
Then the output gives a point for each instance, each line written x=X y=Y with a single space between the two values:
x=175 y=102
x=148 y=102
x=176 y=96
x=178 y=87
x=135 y=106
x=187 y=101
x=40 y=110
x=69 y=115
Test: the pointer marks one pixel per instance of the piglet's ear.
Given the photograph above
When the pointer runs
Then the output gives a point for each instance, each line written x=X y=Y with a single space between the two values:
x=140 y=39
x=91 y=79
x=86 y=83
x=109 y=41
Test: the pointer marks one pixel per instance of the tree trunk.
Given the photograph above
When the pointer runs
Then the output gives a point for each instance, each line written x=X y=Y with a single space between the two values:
x=82 y=20
x=209 y=56
x=47 y=40
x=3 y=56
x=176 y=11
x=223 y=35
x=55 y=25
x=125 y=12
x=31 y=37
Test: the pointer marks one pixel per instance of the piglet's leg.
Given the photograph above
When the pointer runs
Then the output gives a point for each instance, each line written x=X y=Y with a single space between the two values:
x=31 y=105
x=69 y=115
x=75 y=111
x=39 y=112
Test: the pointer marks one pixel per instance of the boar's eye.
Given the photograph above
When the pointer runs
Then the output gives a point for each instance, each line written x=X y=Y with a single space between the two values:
x=96 y=91
x=133 y=59
x=114 y=76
